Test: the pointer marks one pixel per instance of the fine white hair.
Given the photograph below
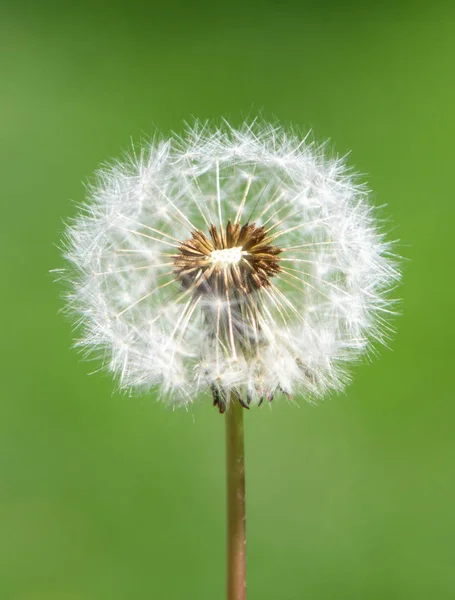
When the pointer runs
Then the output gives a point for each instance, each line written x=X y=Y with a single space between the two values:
x=296 y=334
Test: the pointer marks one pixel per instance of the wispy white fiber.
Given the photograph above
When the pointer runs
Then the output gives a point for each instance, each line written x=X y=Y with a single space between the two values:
x=296 y=335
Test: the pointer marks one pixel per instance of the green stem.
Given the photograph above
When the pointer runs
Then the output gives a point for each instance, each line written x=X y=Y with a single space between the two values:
x=236 y=516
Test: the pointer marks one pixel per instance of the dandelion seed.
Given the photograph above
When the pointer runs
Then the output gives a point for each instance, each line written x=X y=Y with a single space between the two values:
x=243 y=263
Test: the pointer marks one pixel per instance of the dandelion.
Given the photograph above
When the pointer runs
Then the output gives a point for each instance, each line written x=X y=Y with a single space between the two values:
x=244 y=264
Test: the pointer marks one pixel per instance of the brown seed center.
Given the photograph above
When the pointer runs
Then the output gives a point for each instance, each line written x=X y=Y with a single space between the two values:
x=237 y=260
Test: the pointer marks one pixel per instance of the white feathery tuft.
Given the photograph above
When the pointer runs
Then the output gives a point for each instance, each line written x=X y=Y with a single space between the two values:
x=235 y=321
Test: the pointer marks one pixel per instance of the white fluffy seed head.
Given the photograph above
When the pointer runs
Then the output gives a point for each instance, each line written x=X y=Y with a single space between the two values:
x=244 y=263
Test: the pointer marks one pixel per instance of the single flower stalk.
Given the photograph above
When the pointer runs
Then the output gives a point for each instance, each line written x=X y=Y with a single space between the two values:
x=240 y=264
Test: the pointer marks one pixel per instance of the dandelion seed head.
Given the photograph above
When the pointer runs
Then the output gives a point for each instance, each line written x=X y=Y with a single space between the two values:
x=240 y=263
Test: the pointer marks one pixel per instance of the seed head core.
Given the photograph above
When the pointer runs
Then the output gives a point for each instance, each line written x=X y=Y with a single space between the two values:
x=230 y=261
x=227 y=257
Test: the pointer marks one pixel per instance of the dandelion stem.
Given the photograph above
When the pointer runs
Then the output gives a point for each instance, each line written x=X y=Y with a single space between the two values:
x=236 y=516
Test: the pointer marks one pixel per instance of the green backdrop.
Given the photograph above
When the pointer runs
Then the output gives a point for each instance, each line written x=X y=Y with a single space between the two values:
x=104 y=497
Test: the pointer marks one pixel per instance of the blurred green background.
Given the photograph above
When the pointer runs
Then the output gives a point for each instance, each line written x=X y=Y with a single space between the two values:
x=108 y=498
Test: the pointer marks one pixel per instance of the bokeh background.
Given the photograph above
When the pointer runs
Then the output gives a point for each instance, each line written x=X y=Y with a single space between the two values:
x=103 y=497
